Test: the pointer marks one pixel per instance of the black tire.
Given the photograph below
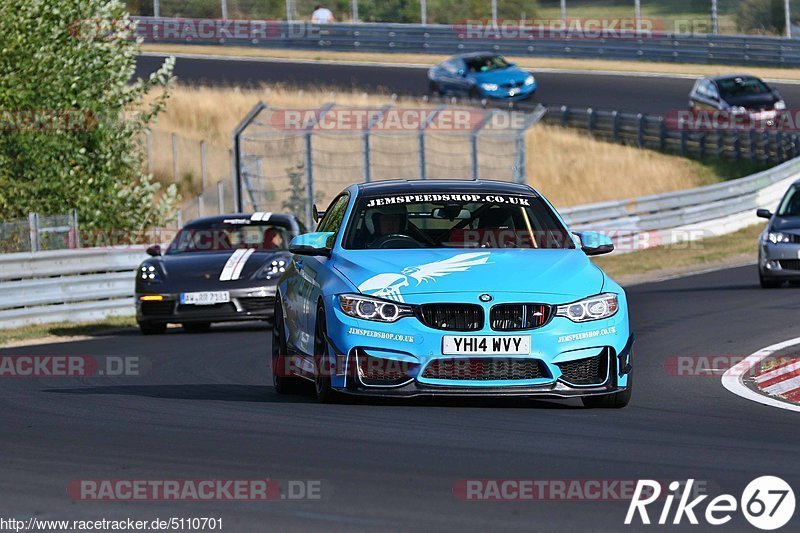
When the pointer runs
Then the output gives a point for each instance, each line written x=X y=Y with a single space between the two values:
x=617 y=400
x=322 y=379
x=435 y=89
x=474 y=94
x=152 y=329
x=196 y=327
x=767 y=283
x=283 y=384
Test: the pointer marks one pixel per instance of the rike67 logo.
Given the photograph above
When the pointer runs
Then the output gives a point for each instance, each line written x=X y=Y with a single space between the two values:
x=767 y=503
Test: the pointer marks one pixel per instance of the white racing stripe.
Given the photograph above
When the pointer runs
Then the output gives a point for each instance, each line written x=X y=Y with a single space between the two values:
x=235 y=264
x=732 y=378
x=261 y=216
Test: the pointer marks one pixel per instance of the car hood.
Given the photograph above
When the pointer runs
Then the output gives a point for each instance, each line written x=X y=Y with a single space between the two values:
x=790 y=224
x=505 y=75
x=394 y=273
x=753 y=100
x=210 y=265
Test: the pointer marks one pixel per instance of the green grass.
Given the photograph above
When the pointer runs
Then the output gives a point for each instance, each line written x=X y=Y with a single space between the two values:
x=65 y=329
x=697 y=254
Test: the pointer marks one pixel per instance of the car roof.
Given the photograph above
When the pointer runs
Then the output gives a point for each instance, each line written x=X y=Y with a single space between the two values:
x=722 y=77
x=380 y=188
x=470 y=55
x=284 y=218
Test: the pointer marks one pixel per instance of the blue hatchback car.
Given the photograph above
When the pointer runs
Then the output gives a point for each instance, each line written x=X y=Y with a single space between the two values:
x=464 y=288
x=481 y=75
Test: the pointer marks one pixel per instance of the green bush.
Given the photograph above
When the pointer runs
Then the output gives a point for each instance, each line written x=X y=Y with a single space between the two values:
x=68 y=109
x=761 y=16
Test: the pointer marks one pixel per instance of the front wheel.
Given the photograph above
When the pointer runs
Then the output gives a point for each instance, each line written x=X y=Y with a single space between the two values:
x=617 y=400
x=322 y=365
x=767 y=283
x=281 y=379
x=152 y=329
x=435 y=89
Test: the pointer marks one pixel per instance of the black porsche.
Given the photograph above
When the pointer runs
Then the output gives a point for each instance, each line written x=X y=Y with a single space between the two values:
x=217 y=269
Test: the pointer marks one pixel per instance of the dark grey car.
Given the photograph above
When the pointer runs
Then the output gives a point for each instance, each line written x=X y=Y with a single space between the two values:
x=779 y=244
x=217 y=269
x=737 y=94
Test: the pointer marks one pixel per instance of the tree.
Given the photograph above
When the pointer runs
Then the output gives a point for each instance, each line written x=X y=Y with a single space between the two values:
x=761 y=16
x=71 y=117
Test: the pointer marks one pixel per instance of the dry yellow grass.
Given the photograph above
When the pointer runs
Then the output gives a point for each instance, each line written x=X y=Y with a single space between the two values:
x=431 y=59
x=567 y=166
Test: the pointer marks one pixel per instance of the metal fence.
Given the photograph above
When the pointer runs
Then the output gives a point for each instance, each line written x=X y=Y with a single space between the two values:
x=67 y=285
x=453 y=39
x=704 y=14
x=288 y=159
x=39 y=232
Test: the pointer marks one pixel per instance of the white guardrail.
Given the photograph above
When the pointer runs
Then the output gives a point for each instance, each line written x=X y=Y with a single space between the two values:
x=90 y=284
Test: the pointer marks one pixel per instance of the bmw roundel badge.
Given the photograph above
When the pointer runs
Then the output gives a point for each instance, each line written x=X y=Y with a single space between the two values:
x=485 y=298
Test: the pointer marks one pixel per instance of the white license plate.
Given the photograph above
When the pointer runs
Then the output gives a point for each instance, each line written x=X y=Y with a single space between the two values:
x=205 y=298
x=486 y=345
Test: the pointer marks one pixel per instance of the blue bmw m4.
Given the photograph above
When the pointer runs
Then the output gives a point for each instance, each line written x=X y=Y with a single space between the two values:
x=462 y=288
x=481 y=75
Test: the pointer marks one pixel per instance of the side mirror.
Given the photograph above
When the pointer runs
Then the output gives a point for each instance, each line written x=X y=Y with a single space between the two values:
x=316 y=213
x=154 y=250
x=764 y=213
x=461 y=72
x=317 y=243
x=593 y=243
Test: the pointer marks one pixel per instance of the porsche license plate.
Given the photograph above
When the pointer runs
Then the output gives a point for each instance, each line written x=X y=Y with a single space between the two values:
x=486 y=345
x=205 y=298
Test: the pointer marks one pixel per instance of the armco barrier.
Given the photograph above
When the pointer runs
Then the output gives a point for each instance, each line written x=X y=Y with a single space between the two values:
x=454 y=39
x=90 y=284
x=66 y=285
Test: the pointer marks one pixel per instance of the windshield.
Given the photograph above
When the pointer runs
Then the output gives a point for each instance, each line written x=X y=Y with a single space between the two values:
x=486 y=63
x=230 y=235
x=734 y=87
x=448 y=220
x=790 y=205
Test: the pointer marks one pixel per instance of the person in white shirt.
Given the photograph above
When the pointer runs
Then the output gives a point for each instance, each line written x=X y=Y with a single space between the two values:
x=322 y=15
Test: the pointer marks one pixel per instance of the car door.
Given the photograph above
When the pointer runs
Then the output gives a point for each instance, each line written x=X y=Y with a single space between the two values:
x=308 y=269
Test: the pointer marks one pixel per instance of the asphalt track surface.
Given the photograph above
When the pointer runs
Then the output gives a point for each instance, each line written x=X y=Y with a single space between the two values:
x=635 y=94
x=206 y=409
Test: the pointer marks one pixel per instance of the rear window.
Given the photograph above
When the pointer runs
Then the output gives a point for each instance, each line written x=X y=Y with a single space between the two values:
x=451 y=220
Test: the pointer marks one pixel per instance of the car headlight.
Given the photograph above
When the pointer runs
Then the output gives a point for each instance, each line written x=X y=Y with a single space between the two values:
x=530 y=80
x=738 y=110
x=776 y=237
x=780 y=105
x=489 y=86
x=275 y=268
x=593 y=308
x=367 y=308
x=150 y=273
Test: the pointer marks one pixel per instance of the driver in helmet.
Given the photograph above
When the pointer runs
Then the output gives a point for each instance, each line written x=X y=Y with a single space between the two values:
x=386 y=220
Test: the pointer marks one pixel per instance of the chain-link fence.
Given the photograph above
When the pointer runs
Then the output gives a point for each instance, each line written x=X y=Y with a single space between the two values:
x=289 y=159
x=39 y=232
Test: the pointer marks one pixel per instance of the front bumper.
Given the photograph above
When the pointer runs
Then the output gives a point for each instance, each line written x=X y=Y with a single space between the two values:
x=511 y=93
x=245 y=304
x=565 y=360
x=779 y=261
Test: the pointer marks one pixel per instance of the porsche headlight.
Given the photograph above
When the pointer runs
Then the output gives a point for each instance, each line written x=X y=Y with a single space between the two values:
x=489 y=86
x=529 y=80
x=149 y=273
x=593 y=308
x=273 y=269
x=367 y=308
x=776 y=237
